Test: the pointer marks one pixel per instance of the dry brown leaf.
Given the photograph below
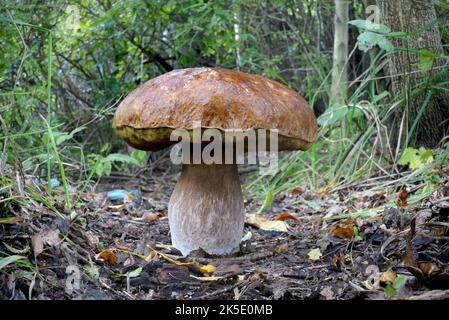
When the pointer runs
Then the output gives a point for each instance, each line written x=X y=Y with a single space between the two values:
x=259 y=221
x=152 y=216
x=402 y=197
x=286 y=216
x=38 y=244
x=343 y=229
x=295 y=192
x=44 y=237
x=429 y=268
x=108 y=256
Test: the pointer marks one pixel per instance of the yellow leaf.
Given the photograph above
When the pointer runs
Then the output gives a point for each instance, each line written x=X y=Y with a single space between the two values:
x=258 y=221
x=315 y=254
x=155 y=253
x=387 y=277
x=208 y=269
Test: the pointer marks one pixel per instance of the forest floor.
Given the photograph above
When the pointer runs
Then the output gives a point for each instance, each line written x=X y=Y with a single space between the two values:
x=307 y=246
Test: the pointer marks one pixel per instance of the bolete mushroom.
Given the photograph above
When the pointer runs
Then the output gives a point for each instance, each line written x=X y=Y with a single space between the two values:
x=206 y=208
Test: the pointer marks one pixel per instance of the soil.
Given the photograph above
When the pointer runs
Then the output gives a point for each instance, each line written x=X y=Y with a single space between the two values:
x=122 y=250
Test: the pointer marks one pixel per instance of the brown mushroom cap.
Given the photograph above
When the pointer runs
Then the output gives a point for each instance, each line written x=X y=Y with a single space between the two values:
x=218 y=98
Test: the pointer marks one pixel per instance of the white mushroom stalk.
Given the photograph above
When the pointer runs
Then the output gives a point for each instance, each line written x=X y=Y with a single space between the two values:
x=206 y=209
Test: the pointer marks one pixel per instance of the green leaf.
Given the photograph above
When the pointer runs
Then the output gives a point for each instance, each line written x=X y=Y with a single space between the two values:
x=8 y=260
x=333 y=115
x=368 y=40
x=399 y=281
x=390 y=291
x=416 y=158
x=107 y=168
x=370 y=26
x=357 y=237
x=426 y=60
x=113 y=157
x=135 y=273
x=410 y=157
x=139 y=155
x=92 y=271
x=425 y=156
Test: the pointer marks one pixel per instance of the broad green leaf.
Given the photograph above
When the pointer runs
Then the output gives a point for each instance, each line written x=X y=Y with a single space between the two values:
x=426 y=156
x=390 y=291
x=399 y=281
x=333 y=115
x=426 y=60
x=121 y=158
x=135 y=273
x=410 y=157
x=139 y=155
x=416 y=158
x=368 y=40
x=370 y=26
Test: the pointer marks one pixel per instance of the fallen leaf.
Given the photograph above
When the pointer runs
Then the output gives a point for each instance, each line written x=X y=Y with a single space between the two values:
x=208 y=269
x=108 y=256
x=315 y=254
x=343 y=229
x=258 y=221
x=213 y=278
x=328 y=293
x=340 y=261
x=92 y=239
x=402 y=197
x=155 y=253
x=50 y=237
x=152 y=216
x=286 y=216
x=295 y=192
x=387 y=277
x=283 y=248
x=151 y=256
x=135 y=273
x=429 y=269
x=38 y=244
x=47 y=236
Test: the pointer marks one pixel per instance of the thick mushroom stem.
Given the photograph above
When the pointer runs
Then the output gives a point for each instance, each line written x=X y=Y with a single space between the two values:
x=206 y=209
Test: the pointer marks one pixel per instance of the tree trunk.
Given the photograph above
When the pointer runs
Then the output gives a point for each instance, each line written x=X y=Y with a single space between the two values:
x=408 y=16
x=339 y=72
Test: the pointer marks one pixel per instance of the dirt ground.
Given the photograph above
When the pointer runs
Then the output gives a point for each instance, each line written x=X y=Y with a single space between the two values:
x=122 y=250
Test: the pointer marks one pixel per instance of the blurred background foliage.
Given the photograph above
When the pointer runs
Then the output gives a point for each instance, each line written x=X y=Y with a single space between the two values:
x=71 y=62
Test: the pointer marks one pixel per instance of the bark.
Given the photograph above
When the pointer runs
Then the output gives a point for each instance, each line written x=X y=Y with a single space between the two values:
x=339 y=72
x=408 y=16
